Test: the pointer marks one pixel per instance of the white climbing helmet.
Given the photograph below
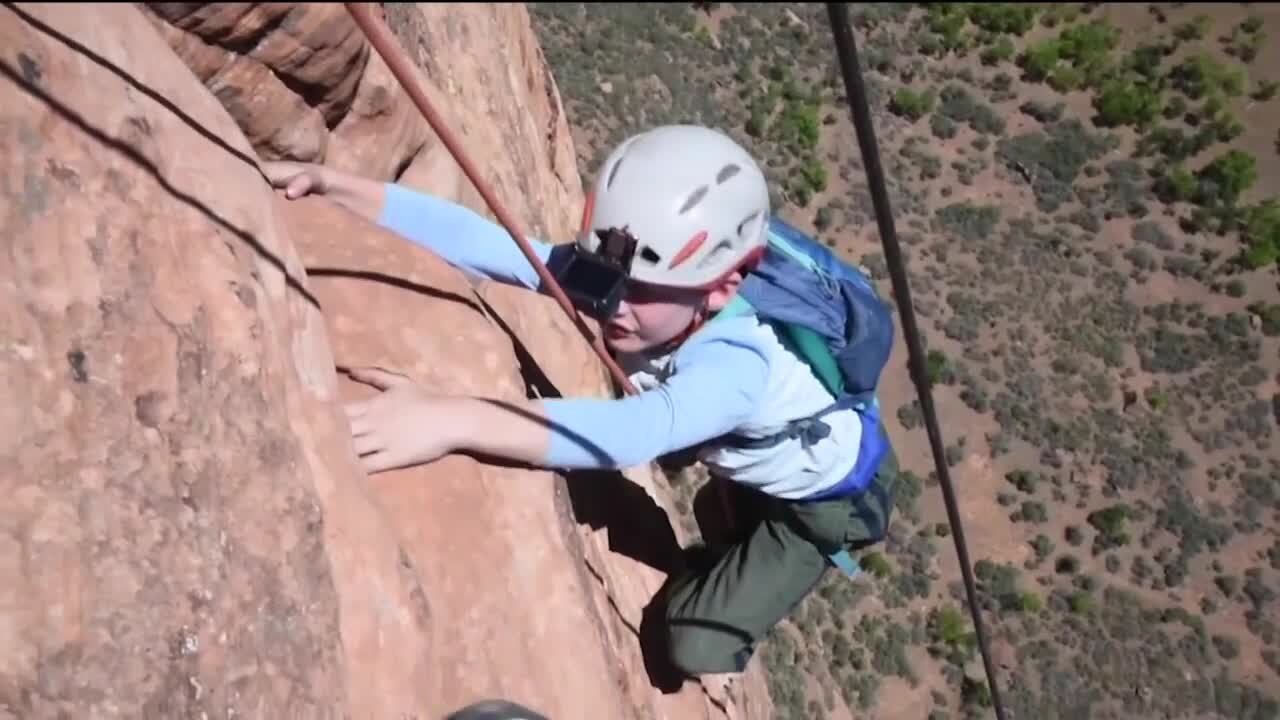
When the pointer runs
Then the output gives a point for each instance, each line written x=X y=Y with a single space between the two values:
x=695 y=200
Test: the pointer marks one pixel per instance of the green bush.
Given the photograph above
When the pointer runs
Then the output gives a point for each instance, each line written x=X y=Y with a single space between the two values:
x=1015 y=18
x=1261 y=235
x=937 y=368
x=959 y=105
x=1123 y=102
x=1110 y=524
x=1033 y=512
x=1042 y=546
x=968 y=221
x=1270 y=317
x=1081 y=603
x=947 y=626
x=1176 y=185
x=1088 y=43
x=1001 y=51
x=1226 y=178
x=814 y=172
x=1052 y=159
x=1043 y=112
x=911 y=105
x=876 y=564
x=1194 y=29
x=1030 y=602
x=1265 y=90
x=1199 y=75
x=1065 y=78
x=1025 y=480
x=823 y=218
x=1039 y=60
x=942 y=127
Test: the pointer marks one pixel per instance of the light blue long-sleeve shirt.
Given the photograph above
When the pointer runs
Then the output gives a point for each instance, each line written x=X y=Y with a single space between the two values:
x=720 y=373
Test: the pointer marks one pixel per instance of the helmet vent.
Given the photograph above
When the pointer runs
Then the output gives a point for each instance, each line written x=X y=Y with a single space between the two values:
x=713 y=255
x=648 y=254
x=727 y=172
x=613 y=173
x=748 y=227
x=694 y=198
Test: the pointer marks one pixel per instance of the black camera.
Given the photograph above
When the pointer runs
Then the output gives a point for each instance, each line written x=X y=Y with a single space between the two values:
x=595 y=281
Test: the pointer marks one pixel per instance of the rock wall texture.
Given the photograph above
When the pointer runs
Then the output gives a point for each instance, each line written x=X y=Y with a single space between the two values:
x=187 y=528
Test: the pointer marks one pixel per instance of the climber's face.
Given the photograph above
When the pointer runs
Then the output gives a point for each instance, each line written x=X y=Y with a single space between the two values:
x=650 y=316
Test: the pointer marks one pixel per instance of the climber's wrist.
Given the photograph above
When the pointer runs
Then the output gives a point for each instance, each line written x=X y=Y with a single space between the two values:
x=361 y=196
x=513 y=430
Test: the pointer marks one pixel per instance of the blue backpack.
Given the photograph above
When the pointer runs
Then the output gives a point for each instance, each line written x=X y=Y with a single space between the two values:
x=828 y=313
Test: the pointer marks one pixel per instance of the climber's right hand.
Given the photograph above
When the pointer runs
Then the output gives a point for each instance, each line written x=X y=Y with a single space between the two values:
x=298 y=179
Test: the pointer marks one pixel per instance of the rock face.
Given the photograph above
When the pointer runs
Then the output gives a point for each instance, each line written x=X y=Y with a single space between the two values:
x=188 y=529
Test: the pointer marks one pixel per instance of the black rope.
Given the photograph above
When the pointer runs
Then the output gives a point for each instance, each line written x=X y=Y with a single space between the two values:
x=847 y=51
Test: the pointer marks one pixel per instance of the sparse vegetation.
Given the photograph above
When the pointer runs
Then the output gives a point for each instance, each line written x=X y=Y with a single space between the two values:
x=1092 y=237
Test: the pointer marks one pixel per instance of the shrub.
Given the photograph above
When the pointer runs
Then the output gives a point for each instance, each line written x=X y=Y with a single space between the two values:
x=1051 y=160
x=1066 y=565
x=1110 y=524
x=1199 y=74
x=1073 y=535
x=876 y=564
x=1043 y=546
x=1265 y=90
x=1269 y=316
x=1123 y=102
x=1029 y=602
x=1032 y=511
x=1001 y=51
x=1081 y=603
x=1015 y=18
x=911 y=105
x=823 y=219
x=1176 y=185
x=959 y=105
x=943 y=127
x=968 y=221
x=937 y=368
x=1223 y=180
x=1261 y=234
x=1039 y=60
x=1151 y=233
x=1043 y=112
x=1087 y=44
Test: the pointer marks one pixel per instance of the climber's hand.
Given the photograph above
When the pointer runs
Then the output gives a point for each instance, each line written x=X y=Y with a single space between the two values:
x=401 y=426
x=297 y=178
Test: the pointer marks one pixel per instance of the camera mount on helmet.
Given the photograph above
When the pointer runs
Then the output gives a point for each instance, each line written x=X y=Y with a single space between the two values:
x=595 y=281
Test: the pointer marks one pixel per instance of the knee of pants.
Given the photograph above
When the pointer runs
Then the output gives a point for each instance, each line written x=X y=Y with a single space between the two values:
x=699 y=651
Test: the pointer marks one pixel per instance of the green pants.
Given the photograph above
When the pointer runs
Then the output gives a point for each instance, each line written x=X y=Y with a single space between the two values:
x=715 y=615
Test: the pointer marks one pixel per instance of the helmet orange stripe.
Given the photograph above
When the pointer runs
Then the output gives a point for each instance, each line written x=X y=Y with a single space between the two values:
x=689 y=248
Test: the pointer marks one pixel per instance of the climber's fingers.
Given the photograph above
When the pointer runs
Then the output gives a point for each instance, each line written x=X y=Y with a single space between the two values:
x=296 y=178
x=298 y=186
x=378 y=377
x=359 y=421
x=367 y=443
x=374 y=463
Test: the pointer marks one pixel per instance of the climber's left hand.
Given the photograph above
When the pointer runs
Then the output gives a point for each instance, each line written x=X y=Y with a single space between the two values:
x=402 y=425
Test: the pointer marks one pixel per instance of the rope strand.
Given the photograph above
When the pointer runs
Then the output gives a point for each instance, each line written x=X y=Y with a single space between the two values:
x=847 y=51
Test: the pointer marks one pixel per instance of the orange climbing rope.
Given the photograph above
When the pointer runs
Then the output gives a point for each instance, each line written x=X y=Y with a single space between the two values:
x=388 y=48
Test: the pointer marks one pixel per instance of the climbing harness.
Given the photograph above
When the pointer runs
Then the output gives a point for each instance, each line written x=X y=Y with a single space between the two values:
x=847 y=52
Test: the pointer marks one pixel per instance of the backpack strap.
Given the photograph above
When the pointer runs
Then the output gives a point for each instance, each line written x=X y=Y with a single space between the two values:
x=811 y=349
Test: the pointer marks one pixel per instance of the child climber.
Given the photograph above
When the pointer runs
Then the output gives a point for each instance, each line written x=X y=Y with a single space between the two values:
x=696 y=205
